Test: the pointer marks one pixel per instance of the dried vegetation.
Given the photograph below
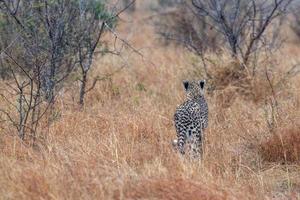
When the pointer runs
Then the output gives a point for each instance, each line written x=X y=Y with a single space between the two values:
x=119 y=145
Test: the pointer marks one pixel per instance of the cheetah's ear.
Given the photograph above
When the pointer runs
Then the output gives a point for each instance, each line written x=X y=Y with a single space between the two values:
x=202 y=84
x=186 y=84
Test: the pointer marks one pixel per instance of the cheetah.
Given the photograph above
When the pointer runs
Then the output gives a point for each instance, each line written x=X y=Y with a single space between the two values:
x=191 y=118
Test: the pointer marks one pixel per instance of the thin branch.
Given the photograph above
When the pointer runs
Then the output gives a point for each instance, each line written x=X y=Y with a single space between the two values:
x=124 y=41
x=10 y=118
x=107 y=76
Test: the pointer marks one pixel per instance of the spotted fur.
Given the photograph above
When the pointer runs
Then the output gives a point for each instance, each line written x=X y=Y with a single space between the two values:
x=191 y=118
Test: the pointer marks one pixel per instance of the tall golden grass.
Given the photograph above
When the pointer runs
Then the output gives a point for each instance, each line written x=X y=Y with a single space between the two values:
x=119 y=145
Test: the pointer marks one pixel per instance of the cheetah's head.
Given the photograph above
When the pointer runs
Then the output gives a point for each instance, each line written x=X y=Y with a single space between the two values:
x=194 y=89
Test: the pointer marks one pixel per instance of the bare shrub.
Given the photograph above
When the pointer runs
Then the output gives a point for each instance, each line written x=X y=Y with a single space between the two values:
x=242 y=24
x=247 y=30
x=39 y=56
x=41 y=32
x=283 y=146
x=93 y=22
x=43 y=43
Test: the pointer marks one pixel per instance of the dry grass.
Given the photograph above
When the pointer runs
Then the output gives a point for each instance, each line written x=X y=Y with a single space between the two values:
x=283 y=146
x=119 y=145
x=174 y=188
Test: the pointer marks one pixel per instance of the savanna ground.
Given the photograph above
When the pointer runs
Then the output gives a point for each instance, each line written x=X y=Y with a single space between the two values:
x=119 y=145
